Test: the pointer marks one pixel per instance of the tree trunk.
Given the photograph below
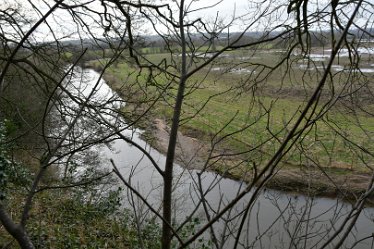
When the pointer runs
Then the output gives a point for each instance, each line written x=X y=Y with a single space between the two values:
x=169 y=164
x=17 y=231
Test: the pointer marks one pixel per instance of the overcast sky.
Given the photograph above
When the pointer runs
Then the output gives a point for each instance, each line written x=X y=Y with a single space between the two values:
x=63 y=24
x=225 y=10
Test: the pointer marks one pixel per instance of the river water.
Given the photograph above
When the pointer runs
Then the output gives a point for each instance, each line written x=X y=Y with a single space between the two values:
x=276 y=220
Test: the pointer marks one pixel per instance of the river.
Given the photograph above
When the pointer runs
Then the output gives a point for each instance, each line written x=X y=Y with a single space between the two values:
x=276 y=220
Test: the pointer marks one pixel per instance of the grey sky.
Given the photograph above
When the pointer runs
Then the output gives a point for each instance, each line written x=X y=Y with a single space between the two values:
x=63 y=25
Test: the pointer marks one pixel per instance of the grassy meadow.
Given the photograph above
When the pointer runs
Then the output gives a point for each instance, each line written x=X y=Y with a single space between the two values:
x=246 y=102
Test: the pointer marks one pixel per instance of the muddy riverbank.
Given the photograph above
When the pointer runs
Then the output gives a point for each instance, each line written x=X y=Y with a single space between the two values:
x=193 y=153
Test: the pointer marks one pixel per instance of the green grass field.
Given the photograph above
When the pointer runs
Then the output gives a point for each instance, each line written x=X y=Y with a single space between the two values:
x=240 y=105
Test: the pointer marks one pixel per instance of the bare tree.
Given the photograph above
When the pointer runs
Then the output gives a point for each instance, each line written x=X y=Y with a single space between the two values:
x=296 y=118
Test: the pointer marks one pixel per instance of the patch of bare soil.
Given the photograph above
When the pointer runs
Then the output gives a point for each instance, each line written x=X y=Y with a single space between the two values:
x=319 y=183
x=189 y=150
x=191 y=153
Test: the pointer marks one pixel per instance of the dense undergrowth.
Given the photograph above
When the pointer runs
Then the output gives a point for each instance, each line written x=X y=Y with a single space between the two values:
x=80 y=217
